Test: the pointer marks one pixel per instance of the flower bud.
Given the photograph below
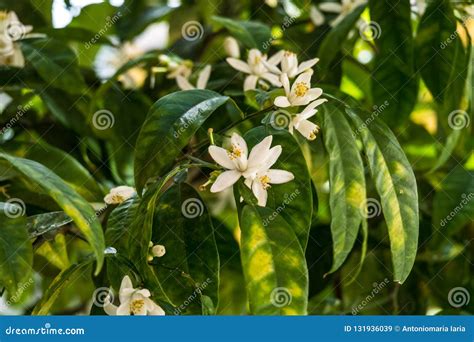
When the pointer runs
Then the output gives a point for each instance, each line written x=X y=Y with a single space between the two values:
x=158 y=251
x=231 y=47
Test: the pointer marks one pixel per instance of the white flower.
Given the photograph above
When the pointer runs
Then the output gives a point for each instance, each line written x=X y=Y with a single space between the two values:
x=418 y=6
x=231 y=47
x=11 y=30
x=342 y=9
x=300 y=93
x=316 y=16
x=119 y=194
x=203 y=77
x=158 y=251
x=254 y=167
x=110 y=59
x=301 y=123
x=133 y=302
x=257 y=67
x=290 y=66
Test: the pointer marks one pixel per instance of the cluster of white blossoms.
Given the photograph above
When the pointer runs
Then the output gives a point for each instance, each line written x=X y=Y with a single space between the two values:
x=11 y=31
x=133 y=301
x=279 y=70
x=254 y=167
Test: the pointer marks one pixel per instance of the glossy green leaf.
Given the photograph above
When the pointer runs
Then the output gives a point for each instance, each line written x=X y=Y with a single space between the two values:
x=441 y=56
x=394 y=78
x=335 y=38
x=43 y=223
x=16 y=251
x=453 y=204
x=396 y=185
x=55 y=62
x=347 y=196
x=47 y=182
x=274 y=264
x=63 y=164
x=69 y=275
x=170 y=124
x=191 y=264
x=293 y=201
x=252 y=34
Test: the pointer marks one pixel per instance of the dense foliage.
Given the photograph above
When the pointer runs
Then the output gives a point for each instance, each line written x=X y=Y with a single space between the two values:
x=237 y=157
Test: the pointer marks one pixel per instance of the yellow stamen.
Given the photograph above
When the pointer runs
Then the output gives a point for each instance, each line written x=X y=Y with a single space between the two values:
x=136 y=306
x=301 y=89
x=265 y=180
x=235 y=152
x=312 y=135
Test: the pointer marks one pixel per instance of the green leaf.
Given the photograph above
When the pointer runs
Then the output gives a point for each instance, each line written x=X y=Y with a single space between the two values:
x=274 y=264
x=293 y=201
x=447 y=149
x=254 y=35
x=63 y=164
x=69 y=275
x=396 y=185
x=44 y=223
x=117 y=234
x=335 y=38
x=191 y=264
x=394 y=78
x=347 y=183
x=55 y=62
x=170 y=124
x=16 y=251
x=441 y=55
x=47 y=182
x=453 y=204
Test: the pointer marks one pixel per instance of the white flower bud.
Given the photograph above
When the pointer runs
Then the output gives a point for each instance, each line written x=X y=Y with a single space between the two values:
x=231 y=47
x=158 y=251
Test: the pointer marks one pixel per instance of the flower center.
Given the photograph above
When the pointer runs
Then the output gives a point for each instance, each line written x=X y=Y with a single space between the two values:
x=289 y=54
x=235 y=152
x=265 y=180
x=136 y=306
x=117 y=198
x=301 y=89
x=312 y=134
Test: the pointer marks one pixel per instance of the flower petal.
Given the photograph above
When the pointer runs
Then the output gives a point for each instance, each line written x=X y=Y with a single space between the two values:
x=238 y=65
x=285 y=83
x=260 y=193
x=204 y=77
x=124 y=309
x=331 y=7
x=307 y=65
x=273 y=156
x=276 y=58
x=279 y=176
x=316 y=16
x=183 y=83
x=308 y=129
x=259 y=152
x=236 y=139
x=221 y=157
x=282 y=101
x=226 y=179
x=250 y=82
x=272 y=78
x=153 y=308
x=314 y=93
x=109 y=308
